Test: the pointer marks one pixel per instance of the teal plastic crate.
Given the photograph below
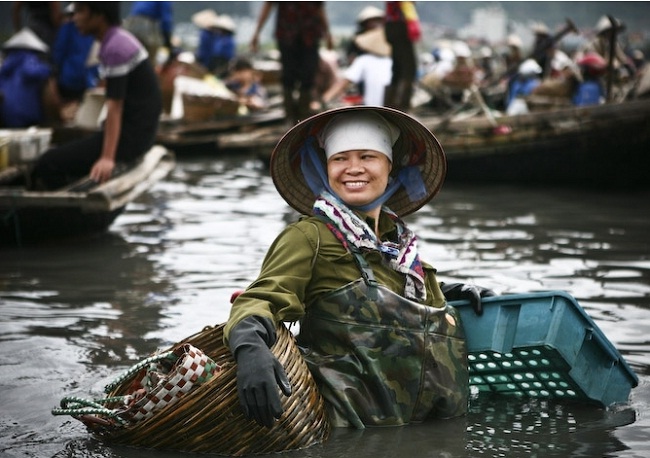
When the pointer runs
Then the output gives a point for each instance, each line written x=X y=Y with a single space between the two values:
x=543 y=345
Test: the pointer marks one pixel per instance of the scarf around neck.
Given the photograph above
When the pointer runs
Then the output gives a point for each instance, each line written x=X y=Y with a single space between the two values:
x=355 y=234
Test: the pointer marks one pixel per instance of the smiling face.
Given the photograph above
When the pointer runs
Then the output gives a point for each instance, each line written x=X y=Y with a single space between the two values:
x=359 y=176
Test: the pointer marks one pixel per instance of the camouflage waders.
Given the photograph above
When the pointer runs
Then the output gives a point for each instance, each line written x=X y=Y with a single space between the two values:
x=381 y=359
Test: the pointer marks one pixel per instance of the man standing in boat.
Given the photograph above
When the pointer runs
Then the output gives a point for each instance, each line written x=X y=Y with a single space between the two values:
x=133 y=104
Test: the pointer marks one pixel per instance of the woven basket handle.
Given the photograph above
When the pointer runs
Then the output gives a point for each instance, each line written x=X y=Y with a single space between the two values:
x=77 y=407
x=133 y=370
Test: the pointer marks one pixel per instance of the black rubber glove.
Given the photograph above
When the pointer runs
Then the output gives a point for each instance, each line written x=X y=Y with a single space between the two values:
x=259 y=372
x=462 y=291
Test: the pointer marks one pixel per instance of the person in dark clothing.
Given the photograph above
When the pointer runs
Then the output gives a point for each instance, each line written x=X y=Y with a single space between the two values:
x=299 y=28
x=402 y=31
x=133 y=103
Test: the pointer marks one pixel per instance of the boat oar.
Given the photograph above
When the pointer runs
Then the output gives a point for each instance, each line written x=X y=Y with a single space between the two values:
x=498 y=129
x=446 y=119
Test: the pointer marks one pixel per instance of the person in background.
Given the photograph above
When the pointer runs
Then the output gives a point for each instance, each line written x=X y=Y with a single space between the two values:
x=133 y=105
x=543 y=47
x=402 y=32
x=299 y=28
x=372 y=69
x=639 y=60
x=463 y=75
x=217 y=45
x=487 y=66
x=559 y=88
x=514 y=55
x=442 y=63
x=383 y=345
x=24 y=73
x=529 y=76
x=73 y=61
x=623 y=69
x=244 y=81
x=152 y=23
x=327 y=76
x=369 y=17
x=43 y=18
x=591 y=90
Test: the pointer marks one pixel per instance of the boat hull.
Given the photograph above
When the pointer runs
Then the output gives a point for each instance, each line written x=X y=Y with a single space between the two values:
x=27 y=225
x=594 y=147
x=29 y=216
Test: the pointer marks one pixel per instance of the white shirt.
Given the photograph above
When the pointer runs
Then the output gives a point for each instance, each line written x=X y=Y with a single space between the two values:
x=375 y=72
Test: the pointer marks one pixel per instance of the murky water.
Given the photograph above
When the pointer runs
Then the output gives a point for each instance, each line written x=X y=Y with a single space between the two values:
x=74 y=314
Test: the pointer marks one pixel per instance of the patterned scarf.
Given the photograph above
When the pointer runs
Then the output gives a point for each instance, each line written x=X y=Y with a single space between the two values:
x=353 y=232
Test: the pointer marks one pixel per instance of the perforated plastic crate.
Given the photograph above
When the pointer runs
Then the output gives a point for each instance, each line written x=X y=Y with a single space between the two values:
x=543 y=345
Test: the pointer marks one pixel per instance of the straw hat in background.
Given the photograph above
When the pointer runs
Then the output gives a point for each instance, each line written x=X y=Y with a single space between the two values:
x=514 y=41
x=370 y=12
x=205 y=19
x=604 y=24
x=374 y=41
x=539 y=28
x=225 y=22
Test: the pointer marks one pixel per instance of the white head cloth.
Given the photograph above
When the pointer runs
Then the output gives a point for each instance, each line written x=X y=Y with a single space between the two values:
x=358 y=131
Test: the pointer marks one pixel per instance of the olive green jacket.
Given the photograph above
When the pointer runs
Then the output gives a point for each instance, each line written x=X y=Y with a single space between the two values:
x=305 y=262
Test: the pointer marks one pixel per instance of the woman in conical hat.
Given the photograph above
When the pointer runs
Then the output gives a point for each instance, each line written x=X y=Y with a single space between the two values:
x=24 y=73
x=381 y=342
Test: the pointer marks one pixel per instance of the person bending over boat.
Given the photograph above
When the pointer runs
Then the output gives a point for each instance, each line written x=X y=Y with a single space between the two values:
x=133 y=102
x=381 y=341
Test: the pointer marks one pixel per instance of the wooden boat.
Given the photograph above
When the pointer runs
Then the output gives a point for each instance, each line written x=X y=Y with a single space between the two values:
x=183 y=136
x=83 y=208
x=600 y=146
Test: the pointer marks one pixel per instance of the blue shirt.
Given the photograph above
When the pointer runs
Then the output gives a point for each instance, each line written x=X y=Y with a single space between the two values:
x=214 y=46
x=588 y=93
x=70 y=54
x=22 y=77
x=521 y=87
x=159 y=11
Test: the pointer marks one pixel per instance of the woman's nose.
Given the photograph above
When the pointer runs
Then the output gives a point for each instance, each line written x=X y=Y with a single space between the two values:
x=355 y=166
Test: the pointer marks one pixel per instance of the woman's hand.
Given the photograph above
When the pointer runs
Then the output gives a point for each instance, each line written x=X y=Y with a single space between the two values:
x=471 y=293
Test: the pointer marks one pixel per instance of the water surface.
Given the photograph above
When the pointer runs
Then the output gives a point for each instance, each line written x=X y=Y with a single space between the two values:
x=74 y=314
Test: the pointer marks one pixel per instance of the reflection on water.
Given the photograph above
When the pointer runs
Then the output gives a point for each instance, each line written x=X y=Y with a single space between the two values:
x=74 y=314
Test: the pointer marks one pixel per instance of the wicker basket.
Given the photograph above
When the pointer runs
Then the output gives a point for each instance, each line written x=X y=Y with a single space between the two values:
x=209 y=419
x=207 y=107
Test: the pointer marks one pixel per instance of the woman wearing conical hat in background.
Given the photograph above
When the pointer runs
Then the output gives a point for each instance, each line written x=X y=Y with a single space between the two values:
x=24 y=73
x=370 y=17
x=217 y=45
x=381 y=341
x=370 y=70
